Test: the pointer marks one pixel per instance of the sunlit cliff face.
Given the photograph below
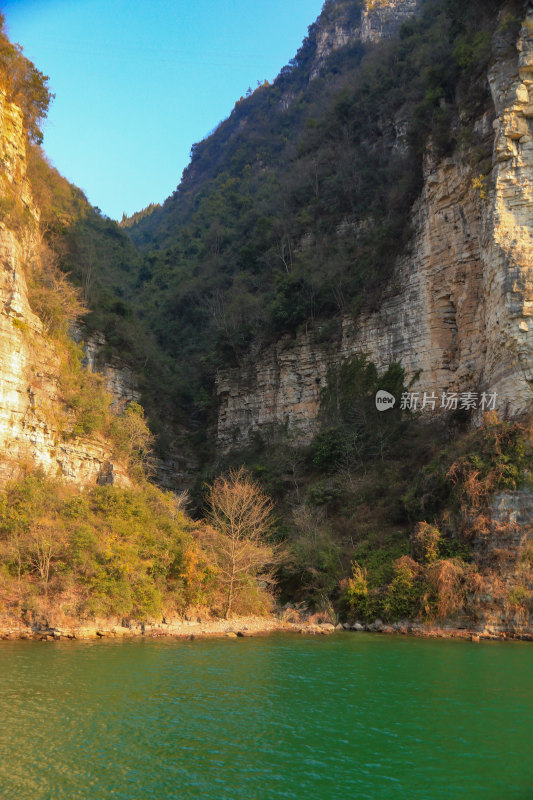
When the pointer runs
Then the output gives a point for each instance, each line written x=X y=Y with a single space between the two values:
x=31 y=408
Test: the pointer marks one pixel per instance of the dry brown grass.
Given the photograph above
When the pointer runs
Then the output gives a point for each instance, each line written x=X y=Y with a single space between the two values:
x=446 y=578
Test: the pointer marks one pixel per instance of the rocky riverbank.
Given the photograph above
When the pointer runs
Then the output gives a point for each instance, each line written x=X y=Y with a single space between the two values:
x=444 y=631
x=192 y=627
x=182 y=628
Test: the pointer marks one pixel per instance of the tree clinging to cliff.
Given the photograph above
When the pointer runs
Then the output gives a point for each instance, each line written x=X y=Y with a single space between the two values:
x=24 y=84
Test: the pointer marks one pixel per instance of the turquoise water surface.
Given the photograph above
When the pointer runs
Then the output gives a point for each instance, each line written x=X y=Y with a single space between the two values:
x=347 y=716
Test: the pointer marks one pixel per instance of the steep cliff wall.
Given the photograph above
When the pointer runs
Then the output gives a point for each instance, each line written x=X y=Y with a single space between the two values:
x=31 y=408
x=458 y=309
x=119 y=378
x=380 y=19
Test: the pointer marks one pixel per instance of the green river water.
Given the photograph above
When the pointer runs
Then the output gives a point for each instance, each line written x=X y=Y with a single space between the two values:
x=347 y=716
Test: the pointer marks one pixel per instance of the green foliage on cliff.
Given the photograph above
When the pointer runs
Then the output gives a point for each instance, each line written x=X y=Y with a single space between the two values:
x=352 y=430
x=136 y=217
x=23 y=84
x=465 y=475
x=86 y=274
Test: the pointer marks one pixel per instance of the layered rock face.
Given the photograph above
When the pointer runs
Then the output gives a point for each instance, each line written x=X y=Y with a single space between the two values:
x=380 y=19
x=459 y=307
x=31 y=410
x=508 y=230
x=332 y=35
x=282 y=387
x=119 y=378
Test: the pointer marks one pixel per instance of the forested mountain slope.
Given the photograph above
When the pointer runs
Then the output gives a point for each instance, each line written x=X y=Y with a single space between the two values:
x=297 y=208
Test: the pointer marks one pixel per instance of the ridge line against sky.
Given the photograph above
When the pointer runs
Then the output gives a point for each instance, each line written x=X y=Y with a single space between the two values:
x=136 y=87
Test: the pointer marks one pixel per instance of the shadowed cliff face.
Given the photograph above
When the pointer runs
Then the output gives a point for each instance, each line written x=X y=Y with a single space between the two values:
x=32 y=412
x=458 y=308
x=337 y=26
x=382 y=18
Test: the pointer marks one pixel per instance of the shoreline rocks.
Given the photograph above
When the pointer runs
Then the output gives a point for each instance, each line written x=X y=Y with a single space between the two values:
x=238 y=628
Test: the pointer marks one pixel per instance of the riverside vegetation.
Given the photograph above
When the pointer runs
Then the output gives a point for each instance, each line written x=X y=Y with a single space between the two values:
x=378 y=515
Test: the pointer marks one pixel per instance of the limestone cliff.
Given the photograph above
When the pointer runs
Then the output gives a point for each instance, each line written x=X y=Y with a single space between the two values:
x=31 y=407
x=337 y=26
x=458 y=309
x=119 y=378
x=382 y=18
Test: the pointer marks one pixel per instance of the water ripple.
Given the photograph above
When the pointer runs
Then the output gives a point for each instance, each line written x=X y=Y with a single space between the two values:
x=280 y=717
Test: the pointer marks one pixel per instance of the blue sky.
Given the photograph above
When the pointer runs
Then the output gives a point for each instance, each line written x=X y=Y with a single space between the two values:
x=137 y=83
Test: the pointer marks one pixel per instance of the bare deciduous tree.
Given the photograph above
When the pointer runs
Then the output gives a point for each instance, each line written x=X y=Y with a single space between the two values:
x=241 y=517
